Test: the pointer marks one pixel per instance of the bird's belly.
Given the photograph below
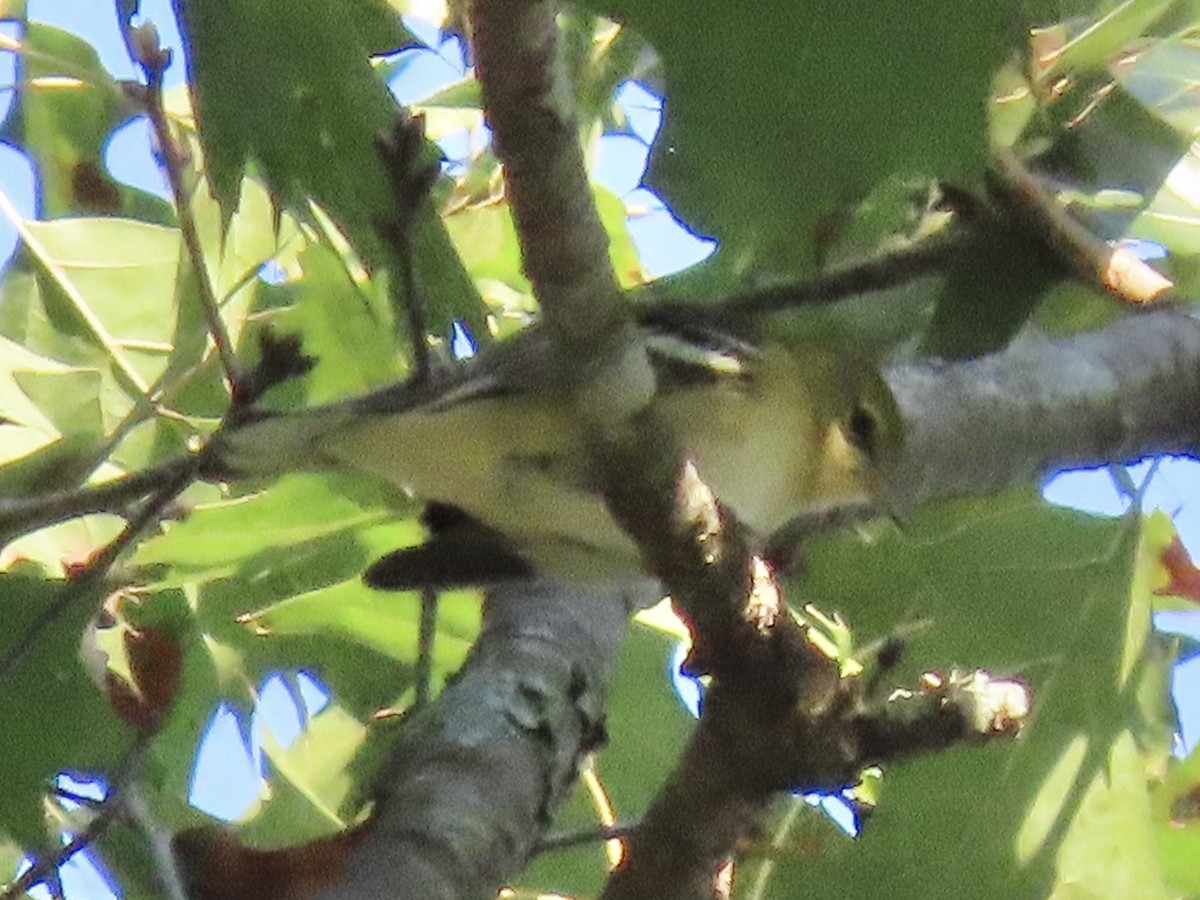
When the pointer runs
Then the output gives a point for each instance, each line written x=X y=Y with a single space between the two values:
x=511 y=467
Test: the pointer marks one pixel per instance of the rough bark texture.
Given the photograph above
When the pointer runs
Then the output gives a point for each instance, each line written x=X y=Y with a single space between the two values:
x=1118 y=394
x=479 y=773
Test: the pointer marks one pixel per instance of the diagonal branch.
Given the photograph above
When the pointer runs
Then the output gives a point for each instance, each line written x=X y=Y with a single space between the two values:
x=80 y=587
x=1091 y=259
x=563 y=245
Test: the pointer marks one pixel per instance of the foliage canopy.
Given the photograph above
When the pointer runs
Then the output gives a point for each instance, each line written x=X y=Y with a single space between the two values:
x=803 y=137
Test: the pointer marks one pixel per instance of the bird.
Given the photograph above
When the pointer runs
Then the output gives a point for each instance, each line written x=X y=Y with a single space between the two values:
x=778 y=430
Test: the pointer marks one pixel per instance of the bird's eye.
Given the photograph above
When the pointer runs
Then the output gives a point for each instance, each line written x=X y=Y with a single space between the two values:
x=863 y=431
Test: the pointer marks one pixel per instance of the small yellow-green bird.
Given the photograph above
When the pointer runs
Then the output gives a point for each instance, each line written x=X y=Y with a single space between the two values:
x=777 y=432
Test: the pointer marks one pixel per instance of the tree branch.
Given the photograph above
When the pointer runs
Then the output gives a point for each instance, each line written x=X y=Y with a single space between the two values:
x=121 y=785
x=779 y=714
x=82 y=581
x=1091 y=259
x=924 y=257
x=1127 y=391
x=499 y=748
x=19 y=515
x=564 y=249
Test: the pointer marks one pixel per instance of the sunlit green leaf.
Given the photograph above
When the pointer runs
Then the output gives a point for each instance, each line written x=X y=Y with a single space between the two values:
x=217 y=537
x=346 y=327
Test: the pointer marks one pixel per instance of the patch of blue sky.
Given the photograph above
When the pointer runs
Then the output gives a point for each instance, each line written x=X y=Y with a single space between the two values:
x=128 y=158
x=81 y=876
x=643 y=110
x=226 y=781
x=664 y=244
x=423 y=71
x=285 y=711
x=462 y=343
x=227 y=774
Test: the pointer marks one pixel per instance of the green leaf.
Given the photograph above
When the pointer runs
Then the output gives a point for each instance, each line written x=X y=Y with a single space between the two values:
x=1160 y=75
x=346 y=327
x=989 y=292
x=1093 y=47
x=484 y=236
x=274 y=579
x=312 y=123
x=1023 y=589
x=311 y=788
x=234 y=251
x=61 y=461
x=217 y=537
x=70 y=399
x=779 y=117
x=387 y=622
x=1178 y=825
x=52 y=714
x=317 y=109
x=486 y=240
x=114 y=284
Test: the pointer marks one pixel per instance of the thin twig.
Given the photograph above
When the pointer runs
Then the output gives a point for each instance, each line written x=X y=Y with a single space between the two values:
x=1093 y=260
x=39 y=872
x=414 y=307
x=159 y=840
x=154 y=61
x=886 y=270
x=27 y=513
x=428 y=629
x=411 y=177
x=581 y=837
x=78 y=799
x=107 y=811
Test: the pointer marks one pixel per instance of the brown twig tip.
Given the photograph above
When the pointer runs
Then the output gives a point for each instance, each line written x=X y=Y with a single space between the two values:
x=412 y=171
x=144 y=48
x=280 y=359
x=991 y=706
x=942 y=711
x=1087 y=256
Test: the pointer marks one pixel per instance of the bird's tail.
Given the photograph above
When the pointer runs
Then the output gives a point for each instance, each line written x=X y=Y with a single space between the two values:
x=271 y=444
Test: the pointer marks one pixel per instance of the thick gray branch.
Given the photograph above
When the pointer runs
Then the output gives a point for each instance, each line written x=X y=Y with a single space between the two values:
x=1118 y=394
x=480 y=771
